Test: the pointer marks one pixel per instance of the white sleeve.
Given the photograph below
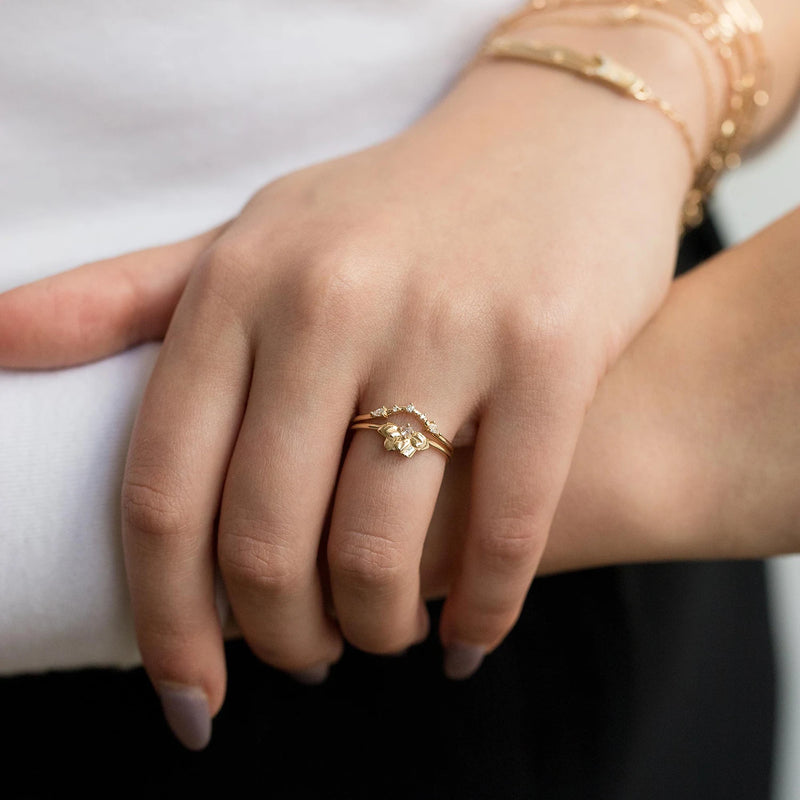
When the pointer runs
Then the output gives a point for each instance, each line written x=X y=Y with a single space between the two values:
x=63 y=441
x=126 y=125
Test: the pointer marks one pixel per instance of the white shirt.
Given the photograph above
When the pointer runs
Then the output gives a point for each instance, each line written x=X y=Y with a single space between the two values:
x=129 y=123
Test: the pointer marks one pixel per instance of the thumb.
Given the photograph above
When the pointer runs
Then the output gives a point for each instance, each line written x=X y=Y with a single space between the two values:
x=97 y=309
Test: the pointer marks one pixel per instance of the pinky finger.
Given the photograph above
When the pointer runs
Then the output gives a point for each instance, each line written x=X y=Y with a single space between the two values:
x=516 y=483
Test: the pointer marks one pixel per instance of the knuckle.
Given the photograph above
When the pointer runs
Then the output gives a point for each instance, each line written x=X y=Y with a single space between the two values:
x=226 y=261
x=222 y=277
x=367 y=562
x=150 y=509
x=448 y=317
x=332 y=295
x=254 y=559
x=534 y=330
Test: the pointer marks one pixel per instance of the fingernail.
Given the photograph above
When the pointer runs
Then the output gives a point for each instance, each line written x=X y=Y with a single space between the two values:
x=186 y=712
x=312 y=676
x=462 y=660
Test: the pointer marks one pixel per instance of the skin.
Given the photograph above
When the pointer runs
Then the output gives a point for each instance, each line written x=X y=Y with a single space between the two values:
x=711 y=385
x=691 y=449
x=337 y=289
x=712 y=382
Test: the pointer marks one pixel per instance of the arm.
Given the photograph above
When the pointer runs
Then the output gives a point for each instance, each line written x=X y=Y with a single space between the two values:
x=691 y=449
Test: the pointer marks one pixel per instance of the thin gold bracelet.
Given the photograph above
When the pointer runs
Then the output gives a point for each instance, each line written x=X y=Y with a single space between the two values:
x=596 y=67
x=628 y=14
x=730 y=29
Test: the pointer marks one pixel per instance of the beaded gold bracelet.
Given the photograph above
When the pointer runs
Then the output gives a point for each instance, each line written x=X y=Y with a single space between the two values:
x=596 y=67
x=730 y=29
x=629 y=14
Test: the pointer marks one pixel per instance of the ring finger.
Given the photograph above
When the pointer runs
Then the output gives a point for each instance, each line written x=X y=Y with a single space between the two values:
x=383 y=507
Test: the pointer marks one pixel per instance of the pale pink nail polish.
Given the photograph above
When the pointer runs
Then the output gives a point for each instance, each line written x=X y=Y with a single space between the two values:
x=186 y=711
x=462 y=660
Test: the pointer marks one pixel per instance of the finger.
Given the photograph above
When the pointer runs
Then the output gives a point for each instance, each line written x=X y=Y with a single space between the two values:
x=447 y=532
x=97 y=309
x=278 y=490
x=383 y=508
x=178 y=455
x=521 y=458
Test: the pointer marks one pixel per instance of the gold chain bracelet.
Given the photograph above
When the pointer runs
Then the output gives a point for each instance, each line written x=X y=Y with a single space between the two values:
x=729 y=29
x=626 y=15
x=596 y=67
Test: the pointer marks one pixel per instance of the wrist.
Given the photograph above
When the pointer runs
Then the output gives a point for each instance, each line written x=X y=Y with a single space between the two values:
x=669 y=55
x=538 y=109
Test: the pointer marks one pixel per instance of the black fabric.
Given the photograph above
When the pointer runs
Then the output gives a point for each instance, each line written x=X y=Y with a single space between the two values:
x=631 y=683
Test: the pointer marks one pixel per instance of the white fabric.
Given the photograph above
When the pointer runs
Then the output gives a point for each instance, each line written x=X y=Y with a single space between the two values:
x=128 y=123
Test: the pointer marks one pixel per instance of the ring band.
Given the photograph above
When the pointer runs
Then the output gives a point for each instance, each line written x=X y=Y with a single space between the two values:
x=405 y=440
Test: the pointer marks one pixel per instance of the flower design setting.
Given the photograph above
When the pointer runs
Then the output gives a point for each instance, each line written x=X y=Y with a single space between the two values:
x=405 y=440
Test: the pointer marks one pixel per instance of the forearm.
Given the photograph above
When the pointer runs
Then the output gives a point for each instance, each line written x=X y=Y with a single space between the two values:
x=691 y=448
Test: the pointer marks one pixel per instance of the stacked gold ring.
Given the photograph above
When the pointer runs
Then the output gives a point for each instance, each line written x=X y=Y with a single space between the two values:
x=405 y=440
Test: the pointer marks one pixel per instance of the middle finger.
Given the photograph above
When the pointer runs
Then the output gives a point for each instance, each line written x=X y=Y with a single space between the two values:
x=276 y=497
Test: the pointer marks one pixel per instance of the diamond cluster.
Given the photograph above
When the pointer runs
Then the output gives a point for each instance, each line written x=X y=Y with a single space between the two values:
x=384 y=411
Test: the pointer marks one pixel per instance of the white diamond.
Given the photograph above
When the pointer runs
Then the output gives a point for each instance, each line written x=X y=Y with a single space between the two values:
x=410 y=407
x=433 y=427
x=378 y=412
x=423 y=417
x=407 y=430
x=395 y=408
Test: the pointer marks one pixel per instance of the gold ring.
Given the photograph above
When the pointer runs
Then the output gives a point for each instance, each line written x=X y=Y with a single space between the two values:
x=404 y=440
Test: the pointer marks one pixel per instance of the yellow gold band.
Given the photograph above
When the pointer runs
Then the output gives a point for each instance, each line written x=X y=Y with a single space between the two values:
x=405 y=440
x=396 y=438
x=595 y=67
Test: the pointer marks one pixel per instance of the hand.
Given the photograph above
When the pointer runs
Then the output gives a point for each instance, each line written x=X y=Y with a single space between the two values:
x=690 y=449
x=454 y=266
